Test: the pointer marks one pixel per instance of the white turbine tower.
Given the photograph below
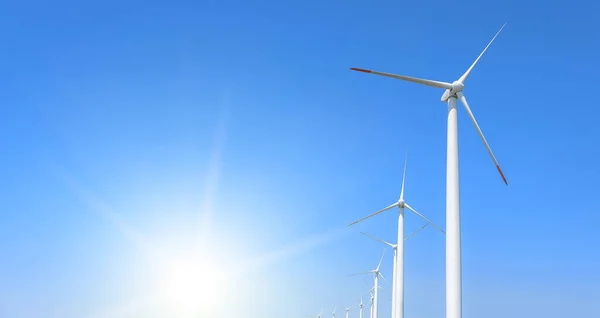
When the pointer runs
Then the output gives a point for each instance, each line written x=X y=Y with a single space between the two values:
x=398 y=271
x=333 y=312
x=376 y=273
x=453 y=91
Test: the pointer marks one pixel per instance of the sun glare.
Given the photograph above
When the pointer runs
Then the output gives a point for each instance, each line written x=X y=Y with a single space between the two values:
x=194 y=286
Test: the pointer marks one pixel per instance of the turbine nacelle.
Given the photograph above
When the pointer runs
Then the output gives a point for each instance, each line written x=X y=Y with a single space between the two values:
x=400 y=203
x=457 y=86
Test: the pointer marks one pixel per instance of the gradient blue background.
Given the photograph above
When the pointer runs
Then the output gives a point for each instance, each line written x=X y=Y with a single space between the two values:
x=246 y=111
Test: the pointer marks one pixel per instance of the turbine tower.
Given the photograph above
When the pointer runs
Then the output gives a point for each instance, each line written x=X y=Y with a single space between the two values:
x=453 y=92
x=398 y=271
x=376 y=273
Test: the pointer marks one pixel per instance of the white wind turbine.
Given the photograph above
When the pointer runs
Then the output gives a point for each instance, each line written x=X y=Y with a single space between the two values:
x=394 y=248
x=371 y=301
x=318 y=316
x=376 y=274
x=348 y=311
x=398 y=271
x=453 y=91
x=360 y=307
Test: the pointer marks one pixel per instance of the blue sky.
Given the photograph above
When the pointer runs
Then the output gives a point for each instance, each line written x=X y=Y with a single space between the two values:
x=233 y=130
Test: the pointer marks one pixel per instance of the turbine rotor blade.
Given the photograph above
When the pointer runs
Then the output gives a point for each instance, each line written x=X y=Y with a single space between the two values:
x=463 y=78
x=403 y=178
x=374 y=214
x=382 y=255
x=424 y=218
x=361 y=273
x=407 y=78
x=380 y=274
x=415 y=232
x=379 y=240
x=463 y=100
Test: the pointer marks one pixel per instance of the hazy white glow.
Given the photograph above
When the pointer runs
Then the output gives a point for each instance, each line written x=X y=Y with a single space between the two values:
x=194 y=286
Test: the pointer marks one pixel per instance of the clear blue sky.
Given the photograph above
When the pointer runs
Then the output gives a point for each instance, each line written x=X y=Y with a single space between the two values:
x=132 y=131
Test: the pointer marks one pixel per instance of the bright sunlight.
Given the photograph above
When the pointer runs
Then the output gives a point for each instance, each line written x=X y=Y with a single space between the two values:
x=194 y=286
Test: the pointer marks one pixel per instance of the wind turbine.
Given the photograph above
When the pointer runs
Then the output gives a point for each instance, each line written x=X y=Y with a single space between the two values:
x=371 y=304
x=376 y=274
x=318 y=316
x=398 y=279
x=333 y=312
x=394 y=248
x=360 y=307
x=453 y=91
x=348 y=310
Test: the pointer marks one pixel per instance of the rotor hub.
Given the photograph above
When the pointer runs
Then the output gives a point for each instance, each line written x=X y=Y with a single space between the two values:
x=401 y=203
x=457 y=87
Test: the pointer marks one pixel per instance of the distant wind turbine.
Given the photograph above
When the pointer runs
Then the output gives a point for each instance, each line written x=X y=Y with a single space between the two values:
x=360 y=307
x=318 y=316
x=394 y=248
x=376 y=273
x=398 y=272
x=453 y=92
x=371 y=301
x=348 y=311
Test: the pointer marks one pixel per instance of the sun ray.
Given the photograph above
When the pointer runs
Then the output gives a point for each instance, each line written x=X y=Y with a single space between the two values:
x=291 y=250
x=106 y=211
x=214 y=171
x=191 y=281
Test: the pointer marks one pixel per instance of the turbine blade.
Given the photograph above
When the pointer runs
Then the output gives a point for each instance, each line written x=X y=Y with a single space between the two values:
x=415 y=232
x=403 y=178
x=407 y=78
x=374 y=214
x=424 y=218
x=361 y=273
x=382 y=255
x=463 y=78
x=379 y=240
x=380 y=274
x=463 y=100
